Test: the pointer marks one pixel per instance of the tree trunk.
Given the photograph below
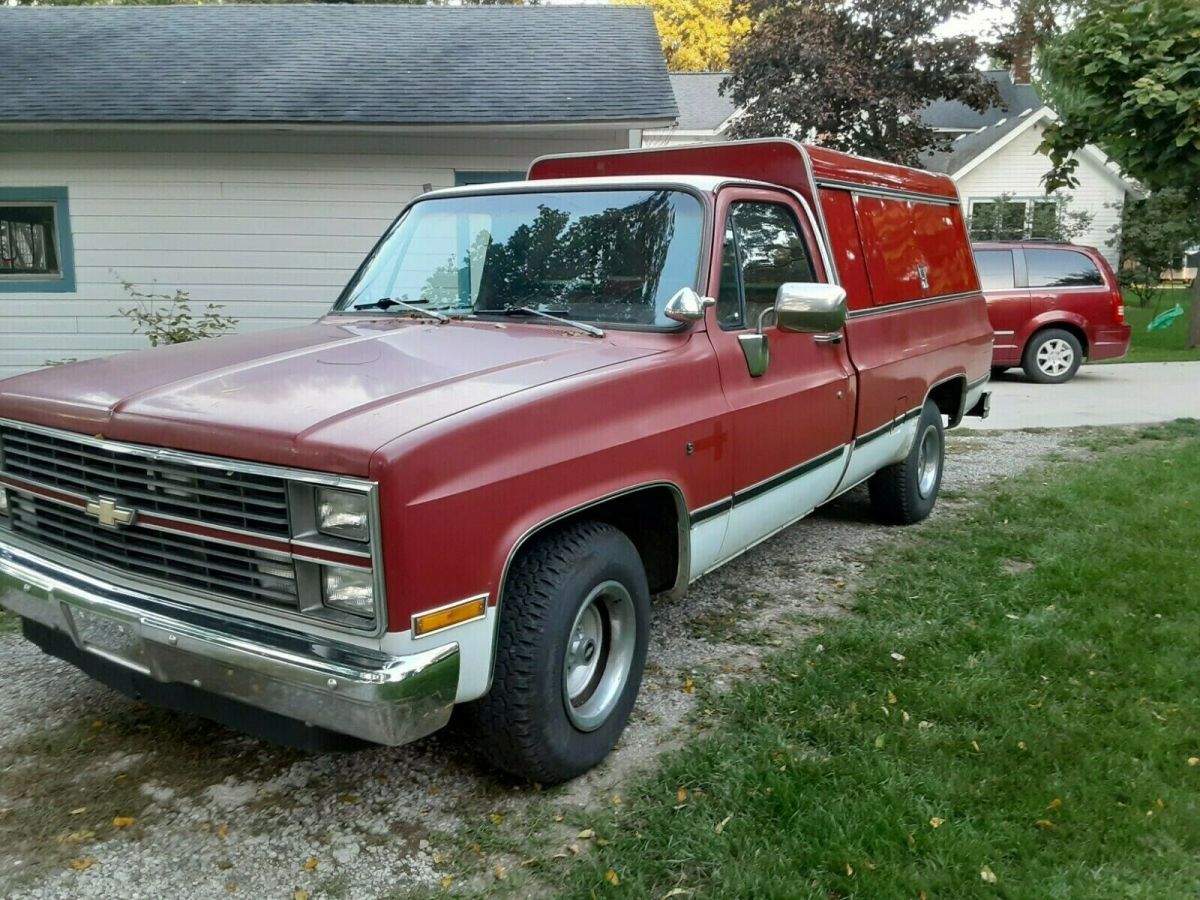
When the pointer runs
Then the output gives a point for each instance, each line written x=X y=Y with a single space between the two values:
x=1194 y=329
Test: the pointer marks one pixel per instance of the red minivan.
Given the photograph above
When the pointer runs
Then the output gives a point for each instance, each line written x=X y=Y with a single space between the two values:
x=1051 y=306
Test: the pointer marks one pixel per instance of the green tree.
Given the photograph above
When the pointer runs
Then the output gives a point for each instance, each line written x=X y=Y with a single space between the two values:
x=1152 y=236
x=853 y=74
x=1126 y=77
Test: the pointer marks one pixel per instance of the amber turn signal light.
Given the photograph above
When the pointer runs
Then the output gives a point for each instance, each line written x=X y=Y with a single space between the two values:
x=455 y=614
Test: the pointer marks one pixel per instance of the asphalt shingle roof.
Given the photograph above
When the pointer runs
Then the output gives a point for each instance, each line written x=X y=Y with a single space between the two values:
x=701 y=105
x=1014 y=99
x=332 y=64
x=1018 y=103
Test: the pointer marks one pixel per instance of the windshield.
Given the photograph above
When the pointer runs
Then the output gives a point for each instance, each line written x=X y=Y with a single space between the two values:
x=601 y=256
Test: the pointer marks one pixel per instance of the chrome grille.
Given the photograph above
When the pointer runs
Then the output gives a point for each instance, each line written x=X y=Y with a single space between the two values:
x=247 y=501
x=255 y=575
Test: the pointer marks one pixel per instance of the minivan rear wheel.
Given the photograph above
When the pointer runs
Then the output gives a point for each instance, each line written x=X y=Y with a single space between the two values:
x=1052 y=356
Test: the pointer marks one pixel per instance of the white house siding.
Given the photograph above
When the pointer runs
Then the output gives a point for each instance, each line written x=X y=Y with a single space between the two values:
x=1017 y=168
x=271 y=225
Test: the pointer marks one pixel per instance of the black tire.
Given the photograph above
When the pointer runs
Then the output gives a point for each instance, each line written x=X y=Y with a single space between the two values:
x=523 y=724
x=900 y=495
x=1052 y=356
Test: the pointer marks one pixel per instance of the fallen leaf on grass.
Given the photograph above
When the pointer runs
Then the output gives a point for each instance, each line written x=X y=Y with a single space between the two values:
x=849 y=870
x=80 y=811
x=936 y=822
x=500 y=872
x=988 y=875
x=123 y=821
x=586 y=835
x=299 y=894
x=1054 y=804
x=574 y=848
x=1044 y=824
x=446 y=882
x=898 y=657
x=688 y=686
x=496 y=818
x=611 y=877
x=76 y=837
x=677 y=892
x=681 y=795
x=891 y=698
x=1194 y=760
x=83 y=863
x=721 y=825
x=310 y=864
x=222 y=831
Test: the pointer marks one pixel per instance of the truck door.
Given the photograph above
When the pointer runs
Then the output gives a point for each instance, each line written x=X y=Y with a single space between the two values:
x=792 y=423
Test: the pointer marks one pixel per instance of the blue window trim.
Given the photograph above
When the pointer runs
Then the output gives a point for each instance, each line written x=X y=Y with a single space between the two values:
x=66 y=249
x=464 y=178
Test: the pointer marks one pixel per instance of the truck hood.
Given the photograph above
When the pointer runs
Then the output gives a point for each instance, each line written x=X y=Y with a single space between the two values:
x=322 y=397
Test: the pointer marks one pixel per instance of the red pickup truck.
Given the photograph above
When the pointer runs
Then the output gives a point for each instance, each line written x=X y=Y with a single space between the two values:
x=535 y=406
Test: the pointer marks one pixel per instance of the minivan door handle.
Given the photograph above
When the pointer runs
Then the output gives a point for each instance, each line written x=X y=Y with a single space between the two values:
x=832 y=337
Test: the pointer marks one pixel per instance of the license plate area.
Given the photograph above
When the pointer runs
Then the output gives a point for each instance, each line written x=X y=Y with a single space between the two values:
x=113 y=639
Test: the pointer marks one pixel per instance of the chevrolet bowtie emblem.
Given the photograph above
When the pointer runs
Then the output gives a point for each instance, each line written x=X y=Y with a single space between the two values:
x=109 y=514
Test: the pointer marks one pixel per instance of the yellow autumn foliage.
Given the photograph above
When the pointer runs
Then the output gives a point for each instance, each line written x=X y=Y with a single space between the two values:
x=696 y=35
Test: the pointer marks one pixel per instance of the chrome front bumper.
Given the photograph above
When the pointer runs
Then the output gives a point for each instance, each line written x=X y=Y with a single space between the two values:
x=328 y=684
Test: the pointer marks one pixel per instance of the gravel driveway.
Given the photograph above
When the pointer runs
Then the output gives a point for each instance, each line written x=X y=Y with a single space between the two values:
x=103 y=797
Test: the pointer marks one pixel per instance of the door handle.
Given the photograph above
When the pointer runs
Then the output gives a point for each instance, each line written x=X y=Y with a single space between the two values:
x=832 y=337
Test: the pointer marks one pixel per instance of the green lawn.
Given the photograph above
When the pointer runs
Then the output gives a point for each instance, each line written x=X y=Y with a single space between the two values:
x=1168 y=345
x=1012 y=712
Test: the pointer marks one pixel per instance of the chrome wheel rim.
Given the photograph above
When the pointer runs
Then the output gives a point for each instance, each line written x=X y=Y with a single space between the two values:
x=928 y=461
x=599 y=655
x=1055 y=357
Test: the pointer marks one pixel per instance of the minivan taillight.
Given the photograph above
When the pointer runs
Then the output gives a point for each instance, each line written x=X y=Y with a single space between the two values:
x=1118 y=303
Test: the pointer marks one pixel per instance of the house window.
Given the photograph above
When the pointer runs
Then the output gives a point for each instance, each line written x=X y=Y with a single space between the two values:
x=35 y=241
x=1014 y=219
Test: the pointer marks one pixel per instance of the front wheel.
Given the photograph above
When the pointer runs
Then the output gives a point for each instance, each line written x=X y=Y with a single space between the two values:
x=1052 y=356
x=905 y=492
x=570 y=654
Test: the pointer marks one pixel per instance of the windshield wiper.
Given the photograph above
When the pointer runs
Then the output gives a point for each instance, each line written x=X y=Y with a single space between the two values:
x=389 y=302
x=530 y=311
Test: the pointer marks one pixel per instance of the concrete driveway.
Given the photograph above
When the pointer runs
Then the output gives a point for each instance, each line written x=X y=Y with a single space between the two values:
x=1113 y=394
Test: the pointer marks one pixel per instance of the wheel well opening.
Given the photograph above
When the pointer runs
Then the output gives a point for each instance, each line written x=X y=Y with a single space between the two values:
x=948 y=396
x=650 y=519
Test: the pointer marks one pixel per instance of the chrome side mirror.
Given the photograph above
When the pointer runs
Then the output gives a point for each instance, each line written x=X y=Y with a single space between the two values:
x=687 y=306
x=810 y=307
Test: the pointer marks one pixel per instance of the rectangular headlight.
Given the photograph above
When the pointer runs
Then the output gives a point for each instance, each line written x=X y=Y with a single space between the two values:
x=343 y=514
x=348 y=590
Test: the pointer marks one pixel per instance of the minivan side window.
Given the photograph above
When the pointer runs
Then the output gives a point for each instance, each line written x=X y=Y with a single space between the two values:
x=763 y=249
x=995 y=270
x=1061 y=268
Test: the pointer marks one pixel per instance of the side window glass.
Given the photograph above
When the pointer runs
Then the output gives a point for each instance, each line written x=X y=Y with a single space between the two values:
x=729 y=298
x=770 y=252
x=995 y=269
x=1061 y=268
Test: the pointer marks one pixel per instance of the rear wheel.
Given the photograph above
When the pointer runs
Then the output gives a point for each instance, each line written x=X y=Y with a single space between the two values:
x=1052 y=356
x=905 y=492
x=570 y=654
